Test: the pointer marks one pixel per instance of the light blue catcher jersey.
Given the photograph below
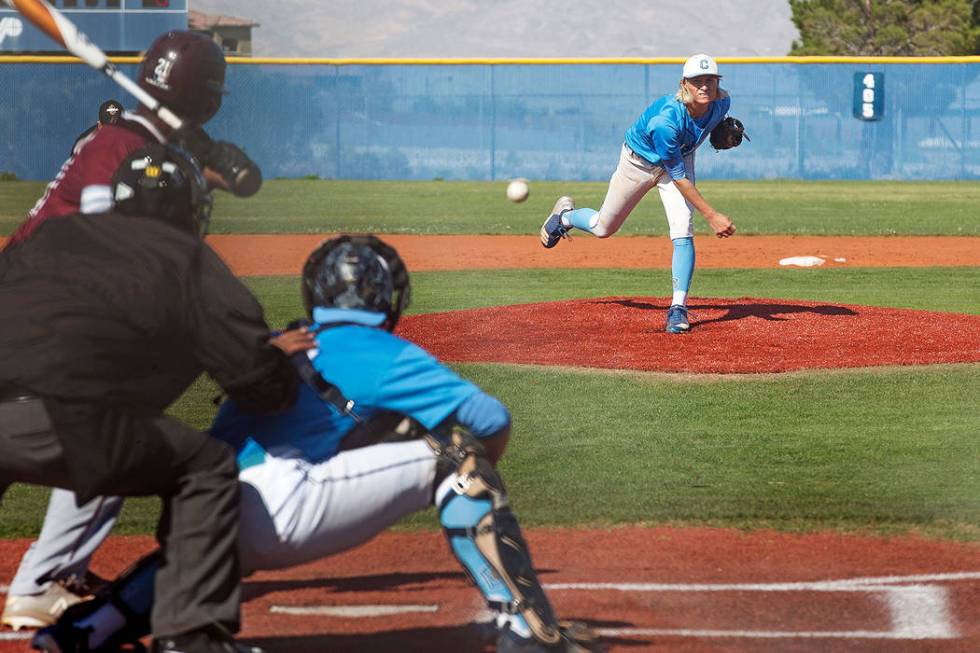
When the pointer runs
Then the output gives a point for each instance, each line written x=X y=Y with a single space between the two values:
x=373 y=368
x=665 y=133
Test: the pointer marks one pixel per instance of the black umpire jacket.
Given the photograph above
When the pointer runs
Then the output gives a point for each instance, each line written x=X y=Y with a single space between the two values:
x=125 y=313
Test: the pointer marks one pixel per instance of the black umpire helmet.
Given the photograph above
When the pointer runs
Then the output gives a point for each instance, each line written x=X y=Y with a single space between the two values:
x=358 y=272
x=163 y=182
x=185 y=71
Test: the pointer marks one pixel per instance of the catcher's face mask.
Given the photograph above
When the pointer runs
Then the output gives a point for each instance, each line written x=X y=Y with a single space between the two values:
x=357 y=272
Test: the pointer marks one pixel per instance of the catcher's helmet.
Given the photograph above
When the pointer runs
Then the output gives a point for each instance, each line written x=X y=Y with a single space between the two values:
x=186 y=72
x=359 y=272
x=163 y=182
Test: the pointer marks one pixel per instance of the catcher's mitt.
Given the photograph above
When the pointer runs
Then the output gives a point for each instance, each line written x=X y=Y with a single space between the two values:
x=728 y=134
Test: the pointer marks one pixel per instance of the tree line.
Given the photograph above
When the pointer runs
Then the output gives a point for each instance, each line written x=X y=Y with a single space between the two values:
x=907 y=28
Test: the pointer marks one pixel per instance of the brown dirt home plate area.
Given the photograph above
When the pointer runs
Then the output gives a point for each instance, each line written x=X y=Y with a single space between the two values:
x=645 y=589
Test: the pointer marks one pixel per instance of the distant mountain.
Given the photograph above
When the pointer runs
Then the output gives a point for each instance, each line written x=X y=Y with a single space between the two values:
x=513 y=28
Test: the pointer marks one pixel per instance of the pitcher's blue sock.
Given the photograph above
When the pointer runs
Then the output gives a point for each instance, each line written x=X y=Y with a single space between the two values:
x=682 y=269
x=580 y=219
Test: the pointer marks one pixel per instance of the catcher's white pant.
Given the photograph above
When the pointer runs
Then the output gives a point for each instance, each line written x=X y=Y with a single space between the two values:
x=292 y=511
x=633 y=179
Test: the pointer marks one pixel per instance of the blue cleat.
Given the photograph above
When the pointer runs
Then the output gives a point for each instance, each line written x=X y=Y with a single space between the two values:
x=677 y=319
x=553 y=230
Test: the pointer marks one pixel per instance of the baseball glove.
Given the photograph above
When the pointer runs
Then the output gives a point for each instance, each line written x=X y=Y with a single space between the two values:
x=241 y=176
x=194 y=140
x=728 y=134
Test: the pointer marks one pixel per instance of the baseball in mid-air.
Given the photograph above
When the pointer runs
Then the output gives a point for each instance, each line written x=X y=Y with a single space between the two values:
x=517 y=190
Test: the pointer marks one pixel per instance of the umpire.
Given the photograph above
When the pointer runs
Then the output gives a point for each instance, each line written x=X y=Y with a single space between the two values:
x=107 y=319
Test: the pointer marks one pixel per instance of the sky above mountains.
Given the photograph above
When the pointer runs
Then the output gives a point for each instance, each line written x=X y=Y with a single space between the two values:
x=513 y=28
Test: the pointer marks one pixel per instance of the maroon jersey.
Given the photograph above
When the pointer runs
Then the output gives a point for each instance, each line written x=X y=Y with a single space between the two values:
x=91 y=165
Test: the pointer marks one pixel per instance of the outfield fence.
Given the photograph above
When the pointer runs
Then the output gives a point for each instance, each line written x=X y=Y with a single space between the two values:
x=540 y=119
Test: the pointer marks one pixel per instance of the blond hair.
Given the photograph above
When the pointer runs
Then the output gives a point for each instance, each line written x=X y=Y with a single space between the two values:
x=684 y=96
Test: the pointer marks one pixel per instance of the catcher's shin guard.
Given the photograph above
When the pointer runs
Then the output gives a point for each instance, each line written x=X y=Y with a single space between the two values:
x=485 y=537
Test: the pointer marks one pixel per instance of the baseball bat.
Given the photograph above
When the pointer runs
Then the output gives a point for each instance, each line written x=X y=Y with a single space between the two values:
x=53 y=23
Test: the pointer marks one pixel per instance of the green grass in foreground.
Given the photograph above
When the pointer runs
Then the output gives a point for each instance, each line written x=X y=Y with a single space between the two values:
x=424 y=207
x=874 y=450
x=848 y=450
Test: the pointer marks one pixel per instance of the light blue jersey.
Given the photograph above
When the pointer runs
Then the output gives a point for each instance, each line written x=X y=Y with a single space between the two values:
x=665 y=133
x=378 y=371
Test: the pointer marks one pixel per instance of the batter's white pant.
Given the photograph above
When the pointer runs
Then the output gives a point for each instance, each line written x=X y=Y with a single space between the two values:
x=292 y=511
x=68 y=539
x=633 y=179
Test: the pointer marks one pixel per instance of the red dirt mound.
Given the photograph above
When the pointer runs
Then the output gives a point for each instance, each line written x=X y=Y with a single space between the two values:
x=727 y=335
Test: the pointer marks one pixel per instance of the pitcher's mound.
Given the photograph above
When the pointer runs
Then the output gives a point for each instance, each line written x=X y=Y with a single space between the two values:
x=727 y=335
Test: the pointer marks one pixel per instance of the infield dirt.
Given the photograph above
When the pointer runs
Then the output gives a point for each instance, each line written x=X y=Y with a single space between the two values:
x=284 y=254
x=659 y=589
x=652 y=589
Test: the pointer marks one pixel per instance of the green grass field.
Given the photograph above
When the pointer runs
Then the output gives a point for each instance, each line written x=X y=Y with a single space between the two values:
x=430 y=207
x=878 y=450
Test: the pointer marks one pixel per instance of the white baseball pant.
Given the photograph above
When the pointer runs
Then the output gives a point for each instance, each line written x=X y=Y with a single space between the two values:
x=633 y=179
x=292 y=511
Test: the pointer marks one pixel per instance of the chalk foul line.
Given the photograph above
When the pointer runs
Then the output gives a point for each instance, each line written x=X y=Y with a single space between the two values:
x=917 y=611
x=759 y=634
x=348 y=611
x=850 y=584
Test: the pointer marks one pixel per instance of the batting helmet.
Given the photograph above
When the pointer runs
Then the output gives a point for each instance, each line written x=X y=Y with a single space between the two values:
x=185 y=71
x=163 y=182
x=357 y=272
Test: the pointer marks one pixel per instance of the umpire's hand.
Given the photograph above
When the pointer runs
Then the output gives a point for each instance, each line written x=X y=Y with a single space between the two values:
x=294 y=341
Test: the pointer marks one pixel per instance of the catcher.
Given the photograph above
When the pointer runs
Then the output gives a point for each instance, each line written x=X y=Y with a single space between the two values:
x=381 y=429
x=659 y=151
